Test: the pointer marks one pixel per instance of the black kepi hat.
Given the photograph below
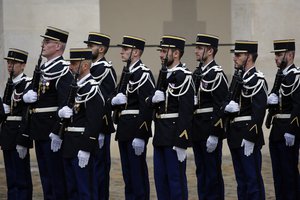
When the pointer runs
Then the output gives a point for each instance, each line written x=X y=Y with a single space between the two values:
x=77 y=54
x=245 y=46
x=53 y=33
x=207 y=40
x=98 y=38
x=283 y=45
x=171 y=41
x=17 y=55
x=133 y=42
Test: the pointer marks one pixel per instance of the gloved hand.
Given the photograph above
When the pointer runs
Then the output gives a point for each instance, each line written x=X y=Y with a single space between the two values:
x=158 y=96
x=6 y=108
x=138 y=146
x=248 y=147
x=232 y=107
x=120 y=99
x=195 y=100
x=83 y=158
x=289 y=139
x=211 y=143
x=55 y=142
x=101 y=140
x=181 y=153
x=22 y=151
x=30 y=97
x=65 y=112
x=273 y=99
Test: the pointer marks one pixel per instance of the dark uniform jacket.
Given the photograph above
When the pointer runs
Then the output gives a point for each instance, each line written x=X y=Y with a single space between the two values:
x=252 y=102
x=179 y=99
x=140 y=86
x=104 y=73
x=2 y=114
x=87 y=110
x=211 y=88
x=289 y=103
x=53 y=91
x=14 y=131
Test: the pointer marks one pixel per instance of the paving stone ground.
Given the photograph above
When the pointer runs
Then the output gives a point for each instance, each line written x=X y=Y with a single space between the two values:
x=117 y=185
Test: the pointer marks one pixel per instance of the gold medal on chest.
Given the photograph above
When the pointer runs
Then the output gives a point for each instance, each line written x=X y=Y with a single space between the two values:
x=76 y=108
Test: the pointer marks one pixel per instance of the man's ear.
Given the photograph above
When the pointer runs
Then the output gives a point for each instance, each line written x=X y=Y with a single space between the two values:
x=101 y=49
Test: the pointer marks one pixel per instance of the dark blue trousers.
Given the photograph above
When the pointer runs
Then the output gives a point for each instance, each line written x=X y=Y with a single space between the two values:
x=102 y=169
x=169 y=175
x=135 y=172
x=210 y=181
x=51 y=171
x=247 y=171
x=80 y=181
x=18 y=175
x=285 y=170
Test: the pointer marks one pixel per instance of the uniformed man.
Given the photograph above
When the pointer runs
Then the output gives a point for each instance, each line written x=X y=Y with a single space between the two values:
x=173 y=121
x=80 y=138
x=51 y=93
x=134 y=123
x=285 y=132
x=245 y=135
x=14 y=137
x=104 y=73
x=208 y=129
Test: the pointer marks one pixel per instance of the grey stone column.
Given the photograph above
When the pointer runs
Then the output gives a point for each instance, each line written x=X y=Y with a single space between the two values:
x=2 y=66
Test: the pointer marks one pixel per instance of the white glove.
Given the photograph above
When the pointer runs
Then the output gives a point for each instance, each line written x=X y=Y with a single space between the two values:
x=22 y=151
x=55 y=142
x=30 y=97
x=138 y=146
x=158 y=96
x=101 y=140
x=273 y=99
x=83 y=158
x=181 y=153
x=6 y=108
x=289 y=139
x=120 y=99
x=211 y=143
x=195 y=100
x=65 y=112
x=248 y=147
x=232 y=107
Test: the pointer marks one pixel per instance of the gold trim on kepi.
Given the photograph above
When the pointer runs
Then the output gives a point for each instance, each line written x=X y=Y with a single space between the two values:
x=98 y=38
x=171 y=41
x=56 y=34
x=133 y=42
x=17 y=55
x=245 y=46
x=77 y=54
x=207 y=40
x=283 y=45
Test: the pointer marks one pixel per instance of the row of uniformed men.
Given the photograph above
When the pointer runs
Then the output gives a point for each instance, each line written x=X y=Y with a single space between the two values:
x=189 y=109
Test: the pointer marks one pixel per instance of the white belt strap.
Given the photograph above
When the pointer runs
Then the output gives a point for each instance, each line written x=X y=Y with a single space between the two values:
x=75 y=129
x=129 y=112
x=13 y=118
x=167 y=116
x=240 y=119
x=282 y=116
x=203 y=110
x=46 y=109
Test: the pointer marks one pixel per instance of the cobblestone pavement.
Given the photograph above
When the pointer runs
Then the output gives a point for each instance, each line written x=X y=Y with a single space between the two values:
x=117 y=185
